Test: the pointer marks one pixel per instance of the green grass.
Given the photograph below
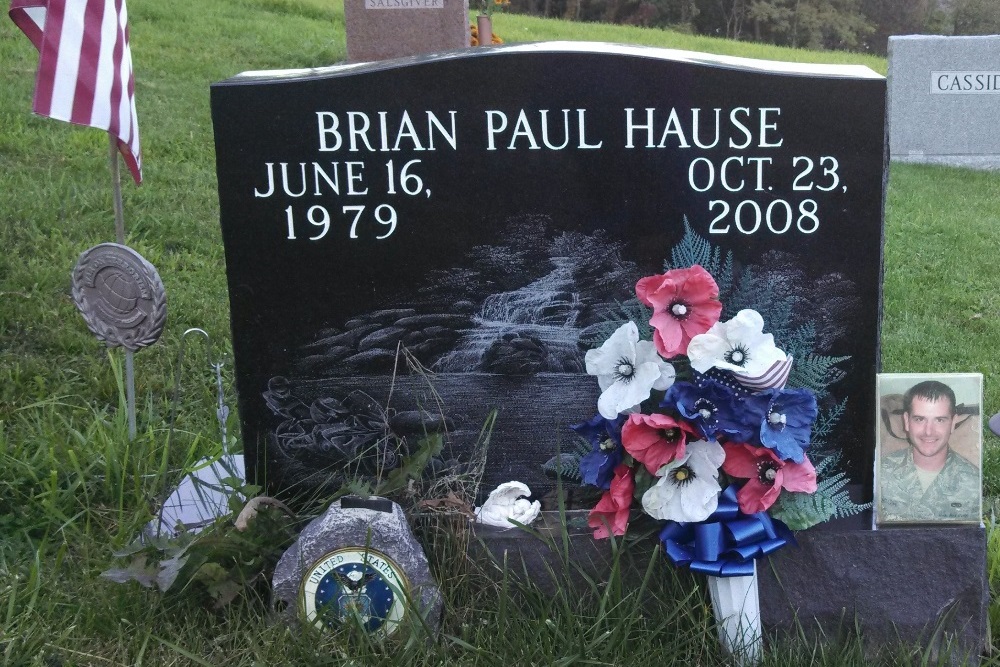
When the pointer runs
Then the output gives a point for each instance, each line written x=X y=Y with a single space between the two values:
x=942 y=305
x=519 y=28
x=72 y=488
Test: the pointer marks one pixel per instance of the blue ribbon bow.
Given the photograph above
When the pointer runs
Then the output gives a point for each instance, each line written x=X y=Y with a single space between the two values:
x=726 y=543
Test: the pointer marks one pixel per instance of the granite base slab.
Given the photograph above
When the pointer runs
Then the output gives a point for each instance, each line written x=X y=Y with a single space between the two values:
x=977 y=162
x=923 y=586
x=915 y=585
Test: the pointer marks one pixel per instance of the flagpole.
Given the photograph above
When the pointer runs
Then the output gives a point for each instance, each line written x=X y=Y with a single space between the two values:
x=116 y=186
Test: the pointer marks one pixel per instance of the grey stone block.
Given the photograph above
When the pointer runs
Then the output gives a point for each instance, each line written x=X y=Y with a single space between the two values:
x=539 y=554
x=944 y=99
x=364 y=528
x=911 y=585
x=923 y=586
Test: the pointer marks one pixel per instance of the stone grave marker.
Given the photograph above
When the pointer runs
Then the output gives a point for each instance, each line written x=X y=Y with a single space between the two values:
x=359 y=557
x=384 y=29
x=944 y=94
x=495 y=227
x=495 y=234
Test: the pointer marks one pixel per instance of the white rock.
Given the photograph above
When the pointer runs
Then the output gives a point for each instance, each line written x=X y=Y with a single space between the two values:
x=507 y=502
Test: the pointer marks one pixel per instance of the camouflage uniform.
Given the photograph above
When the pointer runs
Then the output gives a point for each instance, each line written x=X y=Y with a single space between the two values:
x=954 y=493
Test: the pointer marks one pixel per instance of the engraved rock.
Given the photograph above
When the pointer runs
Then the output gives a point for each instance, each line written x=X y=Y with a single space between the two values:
x=517 y=355
x=349 y=338
x=381 y=317
x=383 y=338
x=372 y=360
x=449 y=321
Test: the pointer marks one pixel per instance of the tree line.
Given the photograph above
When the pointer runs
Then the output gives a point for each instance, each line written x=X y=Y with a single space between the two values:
x=851 y=25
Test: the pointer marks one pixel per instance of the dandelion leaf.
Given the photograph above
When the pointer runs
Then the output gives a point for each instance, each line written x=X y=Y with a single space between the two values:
x=139 y=570
x=412 y=466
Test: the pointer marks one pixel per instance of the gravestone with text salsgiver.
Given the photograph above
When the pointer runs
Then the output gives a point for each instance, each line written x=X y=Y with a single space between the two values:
x=494 y=226
x=383 y=29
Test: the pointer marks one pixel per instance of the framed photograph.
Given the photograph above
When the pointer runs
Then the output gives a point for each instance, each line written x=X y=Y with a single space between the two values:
x=929 y=448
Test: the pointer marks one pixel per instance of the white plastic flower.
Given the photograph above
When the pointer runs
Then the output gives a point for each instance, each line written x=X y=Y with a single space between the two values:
x=508 y=501
x=739 y=345
x=688 y=488
x=627 y=369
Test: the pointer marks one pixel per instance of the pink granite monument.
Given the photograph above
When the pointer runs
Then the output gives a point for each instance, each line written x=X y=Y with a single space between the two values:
x=385 y=29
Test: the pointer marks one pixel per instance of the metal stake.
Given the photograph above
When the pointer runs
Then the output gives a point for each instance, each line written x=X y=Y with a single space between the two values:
x=116 y=186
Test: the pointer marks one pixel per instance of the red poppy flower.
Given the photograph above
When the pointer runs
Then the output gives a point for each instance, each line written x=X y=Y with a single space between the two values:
x=613 y=508
x=685 y=303
x=655 y=440
x=766 y=475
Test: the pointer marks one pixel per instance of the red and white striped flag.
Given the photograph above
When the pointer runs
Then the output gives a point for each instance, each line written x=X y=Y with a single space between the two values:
x=774 y=377
x=84 y=67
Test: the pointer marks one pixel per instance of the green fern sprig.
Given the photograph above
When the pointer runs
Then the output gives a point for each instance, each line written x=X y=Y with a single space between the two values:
x=800 y=341
x=824 y=424
x=693 y=249
x=760 y=294
x=831 y=500
x=623 y=311
x=816 y=372
x=567 y=464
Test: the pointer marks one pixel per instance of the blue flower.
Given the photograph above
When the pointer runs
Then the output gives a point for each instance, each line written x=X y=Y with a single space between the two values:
x=605 y=436
x=713 y=409
x=786 y=425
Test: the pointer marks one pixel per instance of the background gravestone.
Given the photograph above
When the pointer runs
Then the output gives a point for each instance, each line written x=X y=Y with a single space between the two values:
x=944 y=94
x=383 y=29
x=497 y=235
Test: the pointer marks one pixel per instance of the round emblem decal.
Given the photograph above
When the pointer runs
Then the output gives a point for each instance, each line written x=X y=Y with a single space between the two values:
x=120 y=296
x=354 y=582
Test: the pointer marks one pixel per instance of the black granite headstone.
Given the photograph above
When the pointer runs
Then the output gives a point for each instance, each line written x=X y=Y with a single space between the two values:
x=491 y=210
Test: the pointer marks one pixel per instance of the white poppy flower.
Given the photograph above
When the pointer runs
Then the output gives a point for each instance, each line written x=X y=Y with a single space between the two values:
x=508 y=502
x=627 y=369
x=739 y=345
x=688 y=488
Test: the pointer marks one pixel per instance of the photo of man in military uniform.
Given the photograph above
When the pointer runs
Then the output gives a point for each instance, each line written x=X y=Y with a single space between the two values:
x=929 y=481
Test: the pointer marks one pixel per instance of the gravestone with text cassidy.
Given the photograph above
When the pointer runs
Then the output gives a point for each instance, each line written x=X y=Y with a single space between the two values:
x=488 y=214
x=943 y=96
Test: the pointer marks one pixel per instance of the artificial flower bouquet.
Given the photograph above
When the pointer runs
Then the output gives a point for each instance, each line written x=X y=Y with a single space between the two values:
x=697 y=428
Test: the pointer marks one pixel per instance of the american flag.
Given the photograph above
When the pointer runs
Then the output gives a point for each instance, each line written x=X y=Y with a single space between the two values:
x=84 y=67
x=774 y=377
